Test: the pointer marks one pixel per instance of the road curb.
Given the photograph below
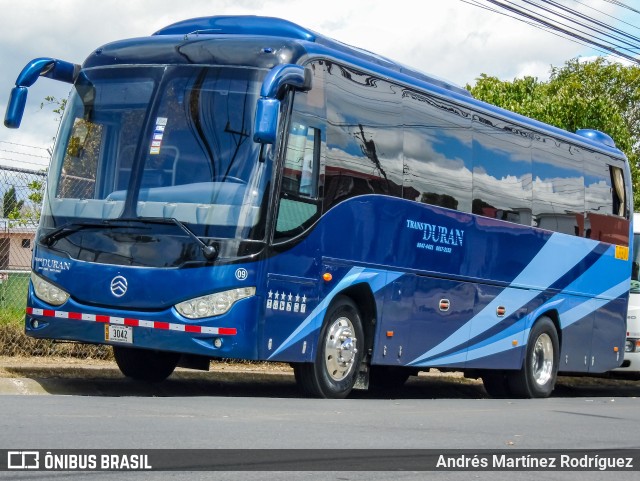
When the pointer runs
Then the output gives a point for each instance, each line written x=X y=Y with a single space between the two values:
x=20 y=386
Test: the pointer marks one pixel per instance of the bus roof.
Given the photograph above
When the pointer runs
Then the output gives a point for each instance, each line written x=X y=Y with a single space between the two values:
x=264 y=42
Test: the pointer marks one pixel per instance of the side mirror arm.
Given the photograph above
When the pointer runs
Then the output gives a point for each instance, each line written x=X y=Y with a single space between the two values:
x=268 y=106
x=39 y=67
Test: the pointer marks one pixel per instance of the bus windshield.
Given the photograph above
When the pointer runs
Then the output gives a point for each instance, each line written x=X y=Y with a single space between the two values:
x=165 y=142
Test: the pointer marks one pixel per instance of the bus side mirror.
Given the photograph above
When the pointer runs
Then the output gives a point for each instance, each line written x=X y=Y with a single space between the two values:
x=39 y=67
x=266 y=121
x=268 y=107
x=15 y=107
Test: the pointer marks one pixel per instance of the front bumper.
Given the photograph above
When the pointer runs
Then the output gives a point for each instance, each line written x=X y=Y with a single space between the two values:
x=231 y=335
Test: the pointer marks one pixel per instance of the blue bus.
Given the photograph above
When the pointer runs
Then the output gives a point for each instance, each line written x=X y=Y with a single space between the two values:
x=245 y=188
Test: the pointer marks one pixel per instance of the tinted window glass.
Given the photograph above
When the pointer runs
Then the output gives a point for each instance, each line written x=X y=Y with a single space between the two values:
x=195 y=161
x=558 y=187
x=501 y=171
x=300 y=190
x=298 y=205
x=437 y=152
x=364 y=135
x=605 y=201
x=598 y=187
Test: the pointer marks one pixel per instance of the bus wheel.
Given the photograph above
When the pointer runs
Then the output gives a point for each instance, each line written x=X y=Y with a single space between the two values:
x=339 y=353
x=144 y=365
x=496 y=383
x=537 y=378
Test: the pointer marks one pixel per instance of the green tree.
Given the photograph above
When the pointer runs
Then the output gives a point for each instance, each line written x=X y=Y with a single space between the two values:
x=28 y=213
x=10 y=202
x=57 y=106
x=596 y=95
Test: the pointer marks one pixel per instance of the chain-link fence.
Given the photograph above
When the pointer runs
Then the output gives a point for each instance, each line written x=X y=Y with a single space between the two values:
x=20 y=208
x=21 y=192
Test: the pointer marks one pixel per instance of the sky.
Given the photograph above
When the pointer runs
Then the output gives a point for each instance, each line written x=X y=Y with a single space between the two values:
x=446 y=38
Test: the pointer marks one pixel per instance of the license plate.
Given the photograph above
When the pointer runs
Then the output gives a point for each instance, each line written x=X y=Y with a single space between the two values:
x=123 y=334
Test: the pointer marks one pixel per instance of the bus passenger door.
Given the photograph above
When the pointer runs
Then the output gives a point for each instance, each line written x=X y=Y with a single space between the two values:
x=293 y=266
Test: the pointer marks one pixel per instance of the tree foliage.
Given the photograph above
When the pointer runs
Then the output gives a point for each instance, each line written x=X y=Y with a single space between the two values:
x=10 y=202
x=23 y=213
x=597 y=95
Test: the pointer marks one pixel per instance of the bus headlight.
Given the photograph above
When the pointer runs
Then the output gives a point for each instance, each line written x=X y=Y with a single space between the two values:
x=47 y=292
x=213 y=304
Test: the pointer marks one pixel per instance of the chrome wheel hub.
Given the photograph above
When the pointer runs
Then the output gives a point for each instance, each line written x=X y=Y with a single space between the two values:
x=340 y=349
x=542 y=360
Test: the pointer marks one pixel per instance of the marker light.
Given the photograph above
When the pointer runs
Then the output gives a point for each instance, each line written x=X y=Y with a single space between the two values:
x=327 y=276
x=213 y=304
x=47 y=292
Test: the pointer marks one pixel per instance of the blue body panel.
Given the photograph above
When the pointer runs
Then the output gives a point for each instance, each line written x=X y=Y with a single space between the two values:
x=477 y=264
x=448 y=288
x=410 y=256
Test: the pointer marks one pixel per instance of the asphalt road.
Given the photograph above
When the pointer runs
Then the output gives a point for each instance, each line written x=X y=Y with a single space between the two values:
x=98 y=409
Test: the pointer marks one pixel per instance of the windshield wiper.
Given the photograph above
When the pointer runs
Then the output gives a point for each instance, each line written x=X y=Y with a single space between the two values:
x=209 y=252
x=68 y=229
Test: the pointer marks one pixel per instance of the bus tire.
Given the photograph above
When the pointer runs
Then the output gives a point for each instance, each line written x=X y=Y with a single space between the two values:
x=537 y=378
x=496 y=383
x=339 y=353
x=145 y=365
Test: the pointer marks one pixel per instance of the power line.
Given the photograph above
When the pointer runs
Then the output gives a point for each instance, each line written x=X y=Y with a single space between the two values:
x=562 y=28
x=572 y=24
x=22 y=162
x=621 y=4
x=477 y=3
x=635 y=40
x=606 y=14
x=23 y=145
x=25 y=153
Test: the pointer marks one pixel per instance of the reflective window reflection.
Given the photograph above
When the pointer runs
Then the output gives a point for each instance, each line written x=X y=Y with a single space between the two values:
x=364 y=135
x=558 y=187
x=501 y=171
x=437 y=152
x=383 y=138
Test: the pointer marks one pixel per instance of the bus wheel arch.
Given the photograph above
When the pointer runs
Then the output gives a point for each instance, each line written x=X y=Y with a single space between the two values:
x=539 y=371
x=362 y=296
x=339 y=353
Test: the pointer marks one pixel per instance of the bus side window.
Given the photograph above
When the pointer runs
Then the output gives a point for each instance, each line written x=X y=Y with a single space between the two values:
x=298 y=206
x=617 y=191
x=300 y=166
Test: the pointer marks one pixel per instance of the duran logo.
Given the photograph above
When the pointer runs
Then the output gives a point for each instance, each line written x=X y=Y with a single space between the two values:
x=51 y=265
x=119 y=286
x=438 y=233
x=437 y=237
